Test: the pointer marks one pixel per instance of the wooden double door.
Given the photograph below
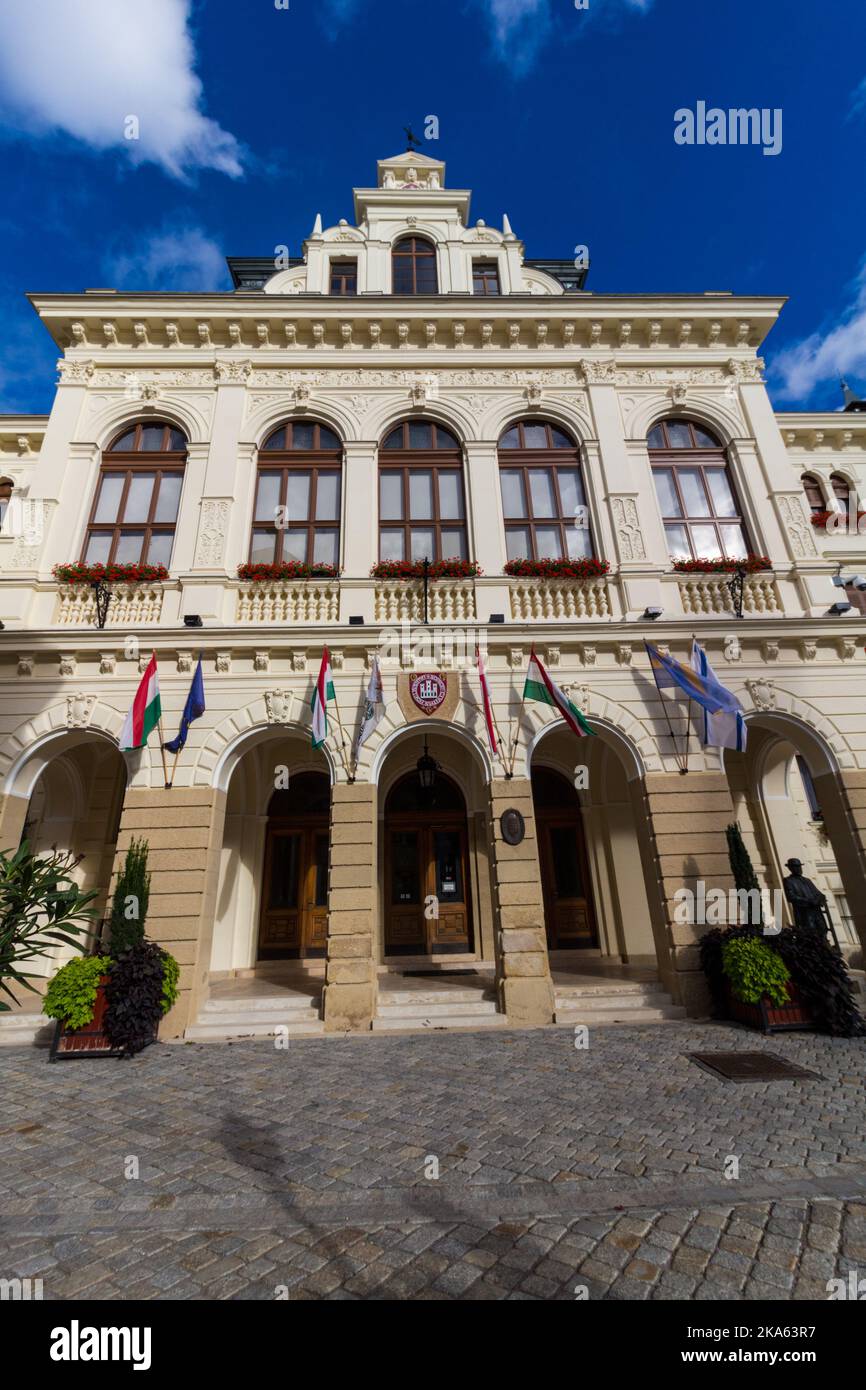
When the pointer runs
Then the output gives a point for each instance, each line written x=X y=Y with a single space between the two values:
x=427 y=890
x=569 y=917
x=294 y=919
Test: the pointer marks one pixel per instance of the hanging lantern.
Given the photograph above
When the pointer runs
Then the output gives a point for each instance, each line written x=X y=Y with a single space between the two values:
x=427 y=770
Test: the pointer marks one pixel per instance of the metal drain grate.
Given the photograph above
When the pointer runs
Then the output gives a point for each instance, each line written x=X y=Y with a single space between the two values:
x=752 y=1066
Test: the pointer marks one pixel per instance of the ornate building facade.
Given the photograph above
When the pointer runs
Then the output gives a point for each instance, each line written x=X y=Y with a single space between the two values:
x=414 y=387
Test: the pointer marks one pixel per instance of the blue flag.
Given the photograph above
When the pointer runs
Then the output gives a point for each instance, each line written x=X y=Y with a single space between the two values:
x=704 y=689
x=726 y=728
x=193 y=709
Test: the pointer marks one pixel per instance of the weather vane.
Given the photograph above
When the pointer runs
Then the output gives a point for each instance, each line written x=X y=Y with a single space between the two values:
x=411 y=140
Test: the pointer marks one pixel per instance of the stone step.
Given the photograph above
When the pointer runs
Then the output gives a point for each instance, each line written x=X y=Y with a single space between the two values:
x=596 y=1016
x=467 y=1022
x=26 y=1030
x=288 y=1004
x=479 y=1008
x=619 y=988
x=226 y=1030
x=611 y=1000
x=437 y=998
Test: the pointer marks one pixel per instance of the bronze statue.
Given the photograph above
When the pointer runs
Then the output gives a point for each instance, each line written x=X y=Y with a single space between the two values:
x=807 y=901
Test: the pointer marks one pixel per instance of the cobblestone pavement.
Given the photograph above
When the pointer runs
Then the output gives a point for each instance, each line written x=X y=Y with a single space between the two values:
x=307 y=1173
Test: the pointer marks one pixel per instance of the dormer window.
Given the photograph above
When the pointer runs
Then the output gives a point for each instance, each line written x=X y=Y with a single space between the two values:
x=485 y=277
x=413 y=263
x=344 y=277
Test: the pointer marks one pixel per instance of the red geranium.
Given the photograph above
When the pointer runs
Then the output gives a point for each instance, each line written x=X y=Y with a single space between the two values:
x=591 y=568
x=288 y=569
x=437 y=569
x=751 y=564
x=110 y=574
x=821 y=519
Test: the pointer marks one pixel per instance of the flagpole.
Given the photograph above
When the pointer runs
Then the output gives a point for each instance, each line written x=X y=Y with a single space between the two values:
x=174 y=767
x=161 y=734
x=349 y=774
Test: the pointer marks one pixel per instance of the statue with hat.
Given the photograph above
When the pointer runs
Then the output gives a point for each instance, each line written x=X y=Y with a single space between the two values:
x=808 y=903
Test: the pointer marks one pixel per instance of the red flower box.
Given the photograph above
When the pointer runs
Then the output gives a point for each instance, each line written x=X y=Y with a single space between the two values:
x=769 y=1017
x=437 y=569
x=110 y=574
x=557 y=569
x=751 y=564
x=821 y=519
x=289 y=569
x=91 y=1040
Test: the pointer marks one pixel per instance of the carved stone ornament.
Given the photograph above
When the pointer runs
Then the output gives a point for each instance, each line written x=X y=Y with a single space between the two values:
x=278 y=704
x=107 y=664
x=223 y=662
x=78 y=710
x=213 y=524
x=627 y=523
x=799 y=529
x=67 y=663
x=184 y=663
x=25 y=665
x=763 y=693
x=262 y=661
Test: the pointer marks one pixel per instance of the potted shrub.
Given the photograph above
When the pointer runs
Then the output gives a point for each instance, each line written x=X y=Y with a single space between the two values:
x=41 y=906
x=130 y=902
x=76 y=999
x=761 y=991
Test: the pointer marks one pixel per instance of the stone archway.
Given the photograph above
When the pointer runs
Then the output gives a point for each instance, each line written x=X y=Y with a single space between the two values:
x=792 y=801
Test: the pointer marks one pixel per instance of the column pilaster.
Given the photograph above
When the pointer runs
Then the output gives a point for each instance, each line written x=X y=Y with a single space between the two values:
x=522 y=966
x=350 y=980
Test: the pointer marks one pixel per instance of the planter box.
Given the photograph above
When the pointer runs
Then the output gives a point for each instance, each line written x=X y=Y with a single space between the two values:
x=89 y=1041
x=772 y=1018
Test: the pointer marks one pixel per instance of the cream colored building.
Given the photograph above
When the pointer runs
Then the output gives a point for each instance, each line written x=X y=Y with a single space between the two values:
x=414 y=385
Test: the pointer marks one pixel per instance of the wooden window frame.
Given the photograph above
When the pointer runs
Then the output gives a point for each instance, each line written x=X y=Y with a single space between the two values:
x=436 y=461
x=487 y=269
x=702 y=459
x=551 y=458
x=414 y=256
x=7 y=487
x=129 y=463
x=337 y=271
x=811 y=485
x=286 y=461
x=840 y=490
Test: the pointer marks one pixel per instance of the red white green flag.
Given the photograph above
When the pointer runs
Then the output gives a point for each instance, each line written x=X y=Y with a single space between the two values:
x=539 y=686
x=486 y=701
x=145 y=713
x=323 y=692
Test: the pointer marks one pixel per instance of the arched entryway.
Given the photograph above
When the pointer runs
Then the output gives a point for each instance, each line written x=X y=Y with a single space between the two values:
x=790 y=804
x=427 y=897
x=569 y=912
x=294 y=907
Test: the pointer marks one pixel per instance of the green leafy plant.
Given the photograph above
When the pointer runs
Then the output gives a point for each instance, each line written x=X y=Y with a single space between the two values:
x=755 y=970
x=741 y=866
x=170 y=977
x=71 y=995
x=41 y=906
x=131 y=898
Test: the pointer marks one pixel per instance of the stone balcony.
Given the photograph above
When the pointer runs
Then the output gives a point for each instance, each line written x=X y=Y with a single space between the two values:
x=709 y=594
x=288 y=601
x=402 y=600
x=132 y=605
x=558 y=600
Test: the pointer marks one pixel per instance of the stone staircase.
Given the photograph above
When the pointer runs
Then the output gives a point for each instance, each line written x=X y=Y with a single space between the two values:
x=26 y=1029
x=614 y=1001
x=233 y=1012
x=421 y=1005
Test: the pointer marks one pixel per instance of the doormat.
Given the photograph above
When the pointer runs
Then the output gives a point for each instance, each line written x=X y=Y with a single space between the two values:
x=752 y=1066
x=435 y=974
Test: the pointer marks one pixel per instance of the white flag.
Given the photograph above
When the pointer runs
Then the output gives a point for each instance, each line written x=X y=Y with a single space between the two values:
x=725 y=728
x=374 y=706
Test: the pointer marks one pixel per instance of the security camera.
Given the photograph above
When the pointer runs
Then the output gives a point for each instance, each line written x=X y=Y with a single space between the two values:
x=840 y=608
x=859 y=581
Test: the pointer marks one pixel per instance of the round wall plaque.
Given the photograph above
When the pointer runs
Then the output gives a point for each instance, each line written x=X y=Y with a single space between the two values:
x=513 y=826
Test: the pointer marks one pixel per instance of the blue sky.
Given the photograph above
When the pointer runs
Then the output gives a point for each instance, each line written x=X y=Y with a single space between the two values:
x=252 y=119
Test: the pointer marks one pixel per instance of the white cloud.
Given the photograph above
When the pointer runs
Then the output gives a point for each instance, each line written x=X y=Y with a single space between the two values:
x=826 y=355
x=83 y=67
x=521 y=27
x=184 y=259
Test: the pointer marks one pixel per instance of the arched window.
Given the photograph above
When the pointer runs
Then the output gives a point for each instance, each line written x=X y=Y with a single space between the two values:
x=841 y=492
x=695 y=492
x=297 y=511
x=134 y=512
x=422 y=511
x=413 y=262
x=543 y=498
x=5 y=497
x=814 y=495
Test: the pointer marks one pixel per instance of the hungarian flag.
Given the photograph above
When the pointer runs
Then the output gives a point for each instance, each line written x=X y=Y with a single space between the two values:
x=145 y=713
x=488 y=707
x=539 y=686
x=323 y=692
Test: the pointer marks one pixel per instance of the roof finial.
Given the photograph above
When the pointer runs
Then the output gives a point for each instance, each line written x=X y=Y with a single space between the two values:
x=850 y=398
x=411 y=140
x=317 y=225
